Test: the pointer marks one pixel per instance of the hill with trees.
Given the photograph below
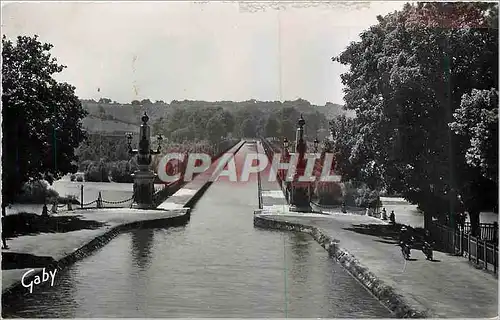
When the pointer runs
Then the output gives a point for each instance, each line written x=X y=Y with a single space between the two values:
x=106 y=115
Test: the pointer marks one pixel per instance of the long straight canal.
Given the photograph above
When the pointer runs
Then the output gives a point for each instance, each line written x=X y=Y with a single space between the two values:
x=218 y=265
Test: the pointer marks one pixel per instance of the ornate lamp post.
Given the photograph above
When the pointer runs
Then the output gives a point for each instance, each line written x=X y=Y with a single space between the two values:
x=300 y=197
x=144 y=177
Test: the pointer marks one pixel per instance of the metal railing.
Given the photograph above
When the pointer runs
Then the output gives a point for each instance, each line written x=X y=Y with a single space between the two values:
x=463 y=244
x=487 y=231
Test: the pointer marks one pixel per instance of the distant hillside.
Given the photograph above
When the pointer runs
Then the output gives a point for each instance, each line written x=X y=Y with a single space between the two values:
x=108 y=116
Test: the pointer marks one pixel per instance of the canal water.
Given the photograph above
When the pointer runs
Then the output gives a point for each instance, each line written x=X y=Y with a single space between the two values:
x=218 y=265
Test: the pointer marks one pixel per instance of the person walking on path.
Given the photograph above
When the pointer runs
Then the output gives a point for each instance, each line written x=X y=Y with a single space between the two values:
x=54 y=206
x=384 y=214
x=4 y=215
x=392 y=217
x=45 y=210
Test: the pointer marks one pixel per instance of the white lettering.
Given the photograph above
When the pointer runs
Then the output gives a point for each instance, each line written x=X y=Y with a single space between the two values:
x=37 y=280
x=191 y=167
x=248 y=167
x=53 y=275
x=277 y=165
x=308 y=172
x=162 y=166
x=327 y=165
x=227 y=158
x=30 y=285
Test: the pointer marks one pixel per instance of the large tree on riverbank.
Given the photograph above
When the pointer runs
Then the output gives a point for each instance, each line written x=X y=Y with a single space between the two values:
x=41 y=125
x=408 y=75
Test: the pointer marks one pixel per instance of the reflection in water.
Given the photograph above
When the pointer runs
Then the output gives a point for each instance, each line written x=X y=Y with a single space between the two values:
x=300 y=253
x=142 y=241
x=142 y=255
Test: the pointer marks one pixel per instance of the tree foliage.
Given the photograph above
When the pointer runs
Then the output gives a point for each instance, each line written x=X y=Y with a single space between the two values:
x=408 y=75
x=41 y=117
x=213 y=122
x=477 y=121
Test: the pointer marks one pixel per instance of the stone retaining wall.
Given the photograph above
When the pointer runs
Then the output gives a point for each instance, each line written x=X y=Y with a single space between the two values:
x=386 y=294
x=96 y=244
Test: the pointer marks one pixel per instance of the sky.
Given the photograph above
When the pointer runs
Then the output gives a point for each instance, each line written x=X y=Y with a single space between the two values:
x=210 y=51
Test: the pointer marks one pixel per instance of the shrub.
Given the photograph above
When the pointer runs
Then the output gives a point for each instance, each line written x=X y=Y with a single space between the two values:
x=121 y=171
x=79 y=178
x=359 y=195
x=97 y=172
x=72 y=177
x=36 y=192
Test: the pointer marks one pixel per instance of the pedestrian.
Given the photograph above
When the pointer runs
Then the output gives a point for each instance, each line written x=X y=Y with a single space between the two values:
x=45 y=210
x=392 y=217
x=4 y=215
x=384 y=214
x=54 y=206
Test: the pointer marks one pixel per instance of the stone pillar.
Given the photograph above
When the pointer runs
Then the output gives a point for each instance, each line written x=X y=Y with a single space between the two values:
x=143 y=188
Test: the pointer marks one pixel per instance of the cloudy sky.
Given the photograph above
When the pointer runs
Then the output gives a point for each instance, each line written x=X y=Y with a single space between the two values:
x=198 y=51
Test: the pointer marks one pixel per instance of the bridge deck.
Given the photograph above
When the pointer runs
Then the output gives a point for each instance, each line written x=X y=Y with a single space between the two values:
x=181 y=198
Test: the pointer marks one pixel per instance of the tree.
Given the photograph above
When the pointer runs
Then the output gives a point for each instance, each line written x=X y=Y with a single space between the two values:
x=41 y=117
x=272 y=126
x=215 y=128
x=104 y=101
x=477 y=122
x=287 y=129
x=227 y=120
x=248 y=128
x=135 y=103
x=415 y=65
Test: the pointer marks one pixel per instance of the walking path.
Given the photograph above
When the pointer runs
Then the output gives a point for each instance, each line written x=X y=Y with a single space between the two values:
x=447 y=287
x=272 y=195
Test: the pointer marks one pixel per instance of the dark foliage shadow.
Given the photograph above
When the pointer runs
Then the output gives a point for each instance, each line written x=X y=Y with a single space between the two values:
x=13 y=260
x=389 y=234
x=29 y=223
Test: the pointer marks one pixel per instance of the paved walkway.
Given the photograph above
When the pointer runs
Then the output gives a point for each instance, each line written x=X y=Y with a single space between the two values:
x=272 y=195
x=55 y=246
x=447 y=287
